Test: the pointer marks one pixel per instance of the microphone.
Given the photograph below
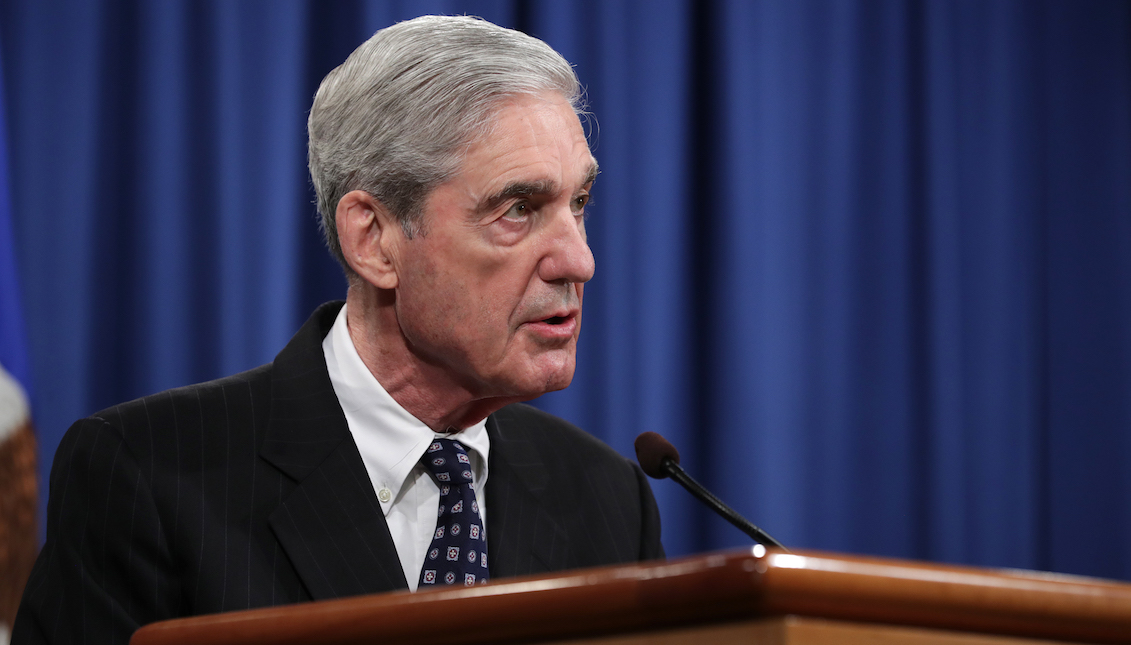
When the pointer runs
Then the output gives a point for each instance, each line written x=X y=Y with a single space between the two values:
x=659 y=459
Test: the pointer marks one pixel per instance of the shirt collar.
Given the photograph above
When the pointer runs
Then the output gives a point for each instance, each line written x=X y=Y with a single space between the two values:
x=390 y=439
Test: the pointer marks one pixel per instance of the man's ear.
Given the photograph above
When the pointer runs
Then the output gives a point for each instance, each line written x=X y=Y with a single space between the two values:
x=370 y=237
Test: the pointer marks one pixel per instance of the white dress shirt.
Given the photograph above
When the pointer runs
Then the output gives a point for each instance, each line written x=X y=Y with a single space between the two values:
x=391 y=442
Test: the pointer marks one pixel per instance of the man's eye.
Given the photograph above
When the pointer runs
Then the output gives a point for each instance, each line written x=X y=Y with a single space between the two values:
x=519 y=210
x=580 y=202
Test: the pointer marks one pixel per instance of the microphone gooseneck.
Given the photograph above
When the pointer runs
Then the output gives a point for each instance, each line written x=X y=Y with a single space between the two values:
x=659 y=459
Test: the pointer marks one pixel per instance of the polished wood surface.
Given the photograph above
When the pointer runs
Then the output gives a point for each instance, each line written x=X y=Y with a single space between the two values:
x=713 y=588
x=800 y=630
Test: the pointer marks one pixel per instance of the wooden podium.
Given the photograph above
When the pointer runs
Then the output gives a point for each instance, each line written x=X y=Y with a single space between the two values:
x=751 y=596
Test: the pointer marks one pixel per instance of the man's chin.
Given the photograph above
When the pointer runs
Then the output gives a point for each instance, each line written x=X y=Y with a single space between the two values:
x=544 y=378
x=560 y=383
x=519 y=392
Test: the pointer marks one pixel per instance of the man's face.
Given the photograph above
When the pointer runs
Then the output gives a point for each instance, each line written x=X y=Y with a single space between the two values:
x=491 y=292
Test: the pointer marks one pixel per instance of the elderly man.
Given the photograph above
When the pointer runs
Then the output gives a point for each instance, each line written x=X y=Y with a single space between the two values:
x=384 y=447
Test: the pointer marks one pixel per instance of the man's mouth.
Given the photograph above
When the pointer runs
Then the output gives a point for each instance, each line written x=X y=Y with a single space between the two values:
x=560 y=317
x=560 y=326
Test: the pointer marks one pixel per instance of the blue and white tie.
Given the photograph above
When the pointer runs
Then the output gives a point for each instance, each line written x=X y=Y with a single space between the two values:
x=458 y=554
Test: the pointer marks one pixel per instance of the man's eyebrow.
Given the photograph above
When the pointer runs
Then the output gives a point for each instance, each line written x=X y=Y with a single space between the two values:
x=529 y=189
x=517 y=189
x=591 y=176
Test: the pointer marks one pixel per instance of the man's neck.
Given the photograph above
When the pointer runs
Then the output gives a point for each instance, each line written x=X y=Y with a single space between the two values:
x=428 y=392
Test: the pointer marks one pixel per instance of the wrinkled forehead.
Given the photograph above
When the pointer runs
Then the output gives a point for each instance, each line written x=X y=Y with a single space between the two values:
x=525 y=121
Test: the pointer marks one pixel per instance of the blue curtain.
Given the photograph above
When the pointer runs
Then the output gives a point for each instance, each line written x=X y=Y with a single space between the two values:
x=14 y=358
x=866 y=262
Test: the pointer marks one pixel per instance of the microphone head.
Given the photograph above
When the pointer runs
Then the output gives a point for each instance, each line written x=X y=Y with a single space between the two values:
x=651 y=449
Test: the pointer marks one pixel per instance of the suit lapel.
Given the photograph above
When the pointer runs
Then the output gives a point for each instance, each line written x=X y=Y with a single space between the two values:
x=522 y=537
x=330 y=525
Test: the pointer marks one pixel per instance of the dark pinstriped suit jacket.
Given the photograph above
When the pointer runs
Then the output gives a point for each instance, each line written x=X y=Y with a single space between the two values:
x=249 y=491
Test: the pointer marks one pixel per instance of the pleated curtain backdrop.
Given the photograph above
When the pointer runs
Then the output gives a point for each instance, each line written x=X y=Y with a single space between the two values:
x=867 y=263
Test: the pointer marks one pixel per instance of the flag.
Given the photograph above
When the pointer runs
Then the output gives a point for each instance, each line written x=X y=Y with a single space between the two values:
x=18 y=535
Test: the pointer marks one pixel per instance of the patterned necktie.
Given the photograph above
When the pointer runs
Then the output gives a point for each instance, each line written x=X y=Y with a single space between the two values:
x=458 y=554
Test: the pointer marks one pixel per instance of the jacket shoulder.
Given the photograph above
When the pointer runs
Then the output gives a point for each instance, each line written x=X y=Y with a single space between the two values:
x=232 y=397
x=520 y=421
x=185 y=396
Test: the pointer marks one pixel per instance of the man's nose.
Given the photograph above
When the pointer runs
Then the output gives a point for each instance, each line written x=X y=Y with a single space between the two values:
x=568 y=257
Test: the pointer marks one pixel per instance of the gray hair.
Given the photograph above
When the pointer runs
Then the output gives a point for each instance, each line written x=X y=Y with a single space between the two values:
x=395 y=118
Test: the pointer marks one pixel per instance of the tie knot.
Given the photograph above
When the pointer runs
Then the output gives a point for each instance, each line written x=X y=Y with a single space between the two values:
x=447 y=460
